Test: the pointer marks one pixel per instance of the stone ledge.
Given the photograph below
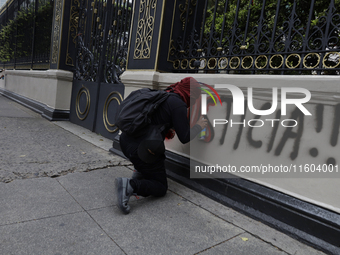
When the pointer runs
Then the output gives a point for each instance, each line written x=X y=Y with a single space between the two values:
x=51 y=87
x=48 y=74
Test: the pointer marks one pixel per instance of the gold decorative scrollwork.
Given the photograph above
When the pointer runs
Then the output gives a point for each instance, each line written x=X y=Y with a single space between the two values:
x=112 y=96
x=212 y=63
x=172 y=47
x=82 y=115
x=290 y=61
x=234 y=62
x=145 y=27
x=222 y=63
x=260 y=59
x=309 y=56
x=183 y=9
x=56 y=31
x=176 y=64
x=244 y=60
x=336 y=59
x=72 y=30
x=69 y=59
x=74 y=20
x=184 y=63
x=272 y=59
x=194 y=2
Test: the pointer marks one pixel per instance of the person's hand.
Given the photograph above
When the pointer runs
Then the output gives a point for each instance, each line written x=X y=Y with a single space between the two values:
x=202 y=122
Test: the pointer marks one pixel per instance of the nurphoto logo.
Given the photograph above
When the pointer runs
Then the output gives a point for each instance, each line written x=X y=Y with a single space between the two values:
x=239 y=104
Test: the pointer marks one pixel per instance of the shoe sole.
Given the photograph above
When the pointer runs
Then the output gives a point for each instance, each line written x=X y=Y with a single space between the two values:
x=119 y=202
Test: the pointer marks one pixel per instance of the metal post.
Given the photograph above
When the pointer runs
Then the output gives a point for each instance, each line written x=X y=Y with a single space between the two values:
x=33 y=36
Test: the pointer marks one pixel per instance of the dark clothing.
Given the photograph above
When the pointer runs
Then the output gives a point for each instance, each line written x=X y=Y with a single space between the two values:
x=174 y=113
x=155 y=182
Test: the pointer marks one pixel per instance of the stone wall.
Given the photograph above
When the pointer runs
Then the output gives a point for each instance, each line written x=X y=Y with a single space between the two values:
x=312 y=143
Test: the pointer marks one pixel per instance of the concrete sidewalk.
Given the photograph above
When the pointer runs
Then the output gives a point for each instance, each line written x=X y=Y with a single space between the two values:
x=58 y=197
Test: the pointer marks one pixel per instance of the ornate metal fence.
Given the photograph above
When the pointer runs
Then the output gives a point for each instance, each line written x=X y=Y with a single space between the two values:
x=256 y=36
x=25 y=34
x=103 y=33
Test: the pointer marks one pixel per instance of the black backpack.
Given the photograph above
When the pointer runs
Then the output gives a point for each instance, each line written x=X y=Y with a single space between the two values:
x=134 y=113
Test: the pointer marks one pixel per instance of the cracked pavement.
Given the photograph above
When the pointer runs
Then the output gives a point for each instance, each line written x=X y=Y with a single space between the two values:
x=55 y=152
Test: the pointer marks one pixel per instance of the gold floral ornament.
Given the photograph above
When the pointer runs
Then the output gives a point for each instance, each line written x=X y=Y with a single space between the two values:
x=145 y=27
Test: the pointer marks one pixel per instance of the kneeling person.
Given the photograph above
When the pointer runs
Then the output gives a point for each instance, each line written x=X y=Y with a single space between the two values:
x=147 y=156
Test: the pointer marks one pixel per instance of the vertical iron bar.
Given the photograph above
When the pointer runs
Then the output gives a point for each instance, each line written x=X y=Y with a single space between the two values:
x=274 y=27
x=125 y=19
x=247 y=23
x=305 y=41
x=291 y=24
x=109 y=48
x=289 y=40
x=223 y=23
x=272 y=43
x=187 y=3
x=101 y=68
x=234 y=27
x=121 y=26
x=235 y=23
x=329 y=20
x=325 y=36
x=121 y=35
x=193 y=32
x=6 y=19
x=212 y=29
x=116 y=32
x=88 y=24
x=99 y=46
x=118 y=26
x=79 y=29
x=259 y=29
x=113 y=27
x=94 y=43
x=258 y=34
x=246 y=30
x=16 y=41
x=33 y=36
x=108 y=59
x=203 y=22
x=99 y=43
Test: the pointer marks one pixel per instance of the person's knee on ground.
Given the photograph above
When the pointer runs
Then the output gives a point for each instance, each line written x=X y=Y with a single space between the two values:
x=161 y=191
x=147 y=188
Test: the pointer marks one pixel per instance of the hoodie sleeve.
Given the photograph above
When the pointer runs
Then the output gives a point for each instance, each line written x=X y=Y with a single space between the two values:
x=182 y=126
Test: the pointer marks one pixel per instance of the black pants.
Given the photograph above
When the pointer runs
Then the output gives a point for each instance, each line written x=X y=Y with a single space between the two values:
x=155 y=182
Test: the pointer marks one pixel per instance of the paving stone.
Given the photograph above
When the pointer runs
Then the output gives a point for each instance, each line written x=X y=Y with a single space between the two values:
x=168 y=225
x=244 y=244
x=31 y=199
x=68 y=234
